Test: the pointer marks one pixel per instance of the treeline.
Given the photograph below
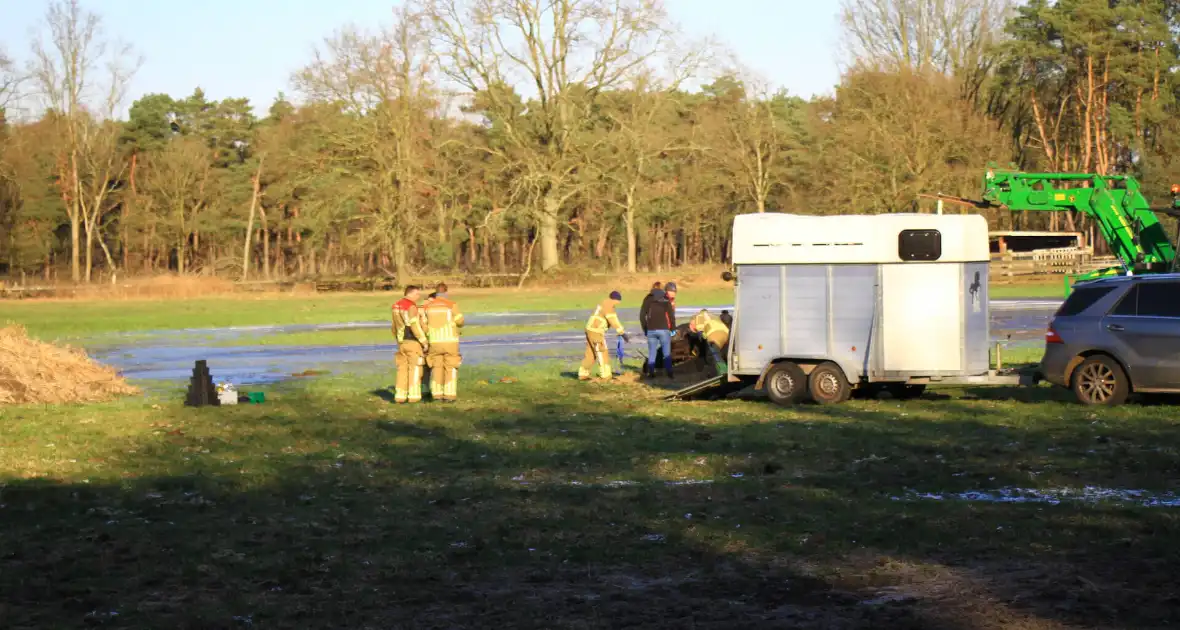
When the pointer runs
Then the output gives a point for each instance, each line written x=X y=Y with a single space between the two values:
x=490 y=136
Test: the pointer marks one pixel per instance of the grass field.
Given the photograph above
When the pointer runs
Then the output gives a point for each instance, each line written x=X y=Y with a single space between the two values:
x=549 y=503
x=73 y=319
x=66 y=319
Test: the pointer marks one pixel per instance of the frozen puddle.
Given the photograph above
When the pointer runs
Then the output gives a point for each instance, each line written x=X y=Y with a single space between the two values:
x=168 y=356
x=199 y=336
x=1095 y=495
x=268 y=364
x=619 y=483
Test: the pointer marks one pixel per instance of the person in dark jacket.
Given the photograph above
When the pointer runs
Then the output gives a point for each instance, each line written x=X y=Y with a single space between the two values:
x=660 y=324
x=656 y=286
x=643 y=306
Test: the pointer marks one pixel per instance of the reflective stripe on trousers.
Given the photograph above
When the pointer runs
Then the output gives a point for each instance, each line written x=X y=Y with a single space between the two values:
x=409 y=361
x=596 y=354
x=444 y=361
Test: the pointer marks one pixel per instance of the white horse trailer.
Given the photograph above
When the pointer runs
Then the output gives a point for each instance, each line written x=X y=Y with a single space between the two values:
x=828 y=304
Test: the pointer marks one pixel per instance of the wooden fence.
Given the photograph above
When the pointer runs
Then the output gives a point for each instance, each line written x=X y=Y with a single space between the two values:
x=1045 y=264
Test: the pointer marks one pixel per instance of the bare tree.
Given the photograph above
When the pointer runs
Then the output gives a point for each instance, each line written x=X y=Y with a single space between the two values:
x=9 y=81
x=947 y=36
x=562 y=54
x=381 y=81
x=642 y=132
x=82 y=79
x=752 y=139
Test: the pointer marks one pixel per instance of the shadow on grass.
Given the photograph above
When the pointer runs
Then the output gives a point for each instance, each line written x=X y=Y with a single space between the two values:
x=384 y=394
x=548 y=508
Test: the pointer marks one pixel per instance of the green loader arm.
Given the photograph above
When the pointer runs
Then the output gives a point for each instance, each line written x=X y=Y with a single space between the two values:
x=1114 y=202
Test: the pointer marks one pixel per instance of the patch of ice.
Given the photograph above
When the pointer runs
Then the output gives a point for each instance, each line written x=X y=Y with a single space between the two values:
x=689 y=482
x=654 y=538
x=1056 y=496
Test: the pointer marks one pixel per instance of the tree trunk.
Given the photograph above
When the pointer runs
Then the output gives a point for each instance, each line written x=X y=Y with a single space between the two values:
x=250 y=222
x=148 y=238
x=471 y=248
x=89 y=250
x=280 y=266
x=632 y=242
x=264 y=233
x=249 y=241
x=265 y=249
x=75 y=247
x=400 y=268
x=126 y=214
x=548 y=233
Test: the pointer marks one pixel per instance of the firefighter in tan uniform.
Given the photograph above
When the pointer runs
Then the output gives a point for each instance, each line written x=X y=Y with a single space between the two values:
x=443 y=321
x=604 y=317
x=716 y=336
x=407 y=329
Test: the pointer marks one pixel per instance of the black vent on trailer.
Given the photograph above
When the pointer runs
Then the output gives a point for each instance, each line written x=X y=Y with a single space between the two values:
x=919 y=245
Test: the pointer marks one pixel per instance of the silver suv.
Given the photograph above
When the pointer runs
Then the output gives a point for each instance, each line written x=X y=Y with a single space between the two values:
x=1116 y=336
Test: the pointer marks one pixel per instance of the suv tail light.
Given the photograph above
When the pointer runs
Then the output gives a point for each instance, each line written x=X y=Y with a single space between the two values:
x=1051 y=336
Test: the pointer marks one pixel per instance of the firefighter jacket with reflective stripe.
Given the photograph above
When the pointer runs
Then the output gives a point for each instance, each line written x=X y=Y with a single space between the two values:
x=707 y=325
x=406 y=321
x=443 y=320
x=604 y=317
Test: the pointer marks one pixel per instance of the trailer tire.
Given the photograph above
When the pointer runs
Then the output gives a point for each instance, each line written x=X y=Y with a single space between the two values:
x=786 y=384
x=827 y=384
x=1100 y=381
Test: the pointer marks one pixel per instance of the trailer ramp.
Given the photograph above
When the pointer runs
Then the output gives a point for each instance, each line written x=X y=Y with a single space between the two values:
x=713 y=387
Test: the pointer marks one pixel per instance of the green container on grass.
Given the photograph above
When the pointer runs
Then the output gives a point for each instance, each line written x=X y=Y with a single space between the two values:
x=256 y=398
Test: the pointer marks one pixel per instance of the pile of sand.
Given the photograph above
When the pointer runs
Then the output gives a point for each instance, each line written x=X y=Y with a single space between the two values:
x=32 y=371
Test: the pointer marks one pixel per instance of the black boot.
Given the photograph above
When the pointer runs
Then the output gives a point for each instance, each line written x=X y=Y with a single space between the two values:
x=668 y=367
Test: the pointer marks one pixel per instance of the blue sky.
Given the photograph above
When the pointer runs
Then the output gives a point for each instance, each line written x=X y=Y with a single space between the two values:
x=234 y=48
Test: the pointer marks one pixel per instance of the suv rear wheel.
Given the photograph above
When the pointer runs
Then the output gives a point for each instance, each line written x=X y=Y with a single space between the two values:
x=1100 y=380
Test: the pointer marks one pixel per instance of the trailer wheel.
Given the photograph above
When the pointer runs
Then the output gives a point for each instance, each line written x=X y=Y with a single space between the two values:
x=1100 y=380
x=786 y=383
x=827 y=384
